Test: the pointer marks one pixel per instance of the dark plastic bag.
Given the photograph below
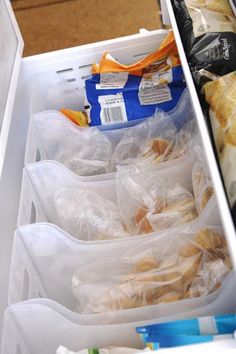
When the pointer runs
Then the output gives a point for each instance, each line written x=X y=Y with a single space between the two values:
x=209 y=36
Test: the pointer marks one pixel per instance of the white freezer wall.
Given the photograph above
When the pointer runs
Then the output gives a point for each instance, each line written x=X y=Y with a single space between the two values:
x=10 y=183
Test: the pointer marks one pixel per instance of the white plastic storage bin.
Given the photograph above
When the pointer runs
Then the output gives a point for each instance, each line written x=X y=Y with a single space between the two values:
x=45 y=259
x=40 y=326
x=52 y=136
x=62 y=65
x=42 y=180
x=64 y=87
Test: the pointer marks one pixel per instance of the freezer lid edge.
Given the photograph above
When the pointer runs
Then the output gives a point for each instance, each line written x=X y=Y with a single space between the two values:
x=11 y=49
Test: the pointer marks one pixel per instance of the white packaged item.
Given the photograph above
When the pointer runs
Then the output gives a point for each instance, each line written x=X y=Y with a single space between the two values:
x=52 y=193
x=89 y=151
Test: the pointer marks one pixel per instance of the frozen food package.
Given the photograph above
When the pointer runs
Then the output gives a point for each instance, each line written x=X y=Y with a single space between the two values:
x=88 y=215
x=184 y=268
x=202 y=183
x=207 y=30
x=77 y=117
x=149 y=202
x=119 y=93
x=155 y=140
x=221 y=97
x=85 y=151
x=220 y=324
x=165 y=341
x=109 y=350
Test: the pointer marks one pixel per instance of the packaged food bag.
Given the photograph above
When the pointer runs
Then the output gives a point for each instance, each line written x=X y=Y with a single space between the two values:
x=171 y=270
x=88 y=215
x=149 y=202
x=77 y=117
x=207 y=29
x=85 y=151
x=120 y=93
x=154 y=141
x=191 y=331
x=165 y=341
x=221 y=97
x=211 y=325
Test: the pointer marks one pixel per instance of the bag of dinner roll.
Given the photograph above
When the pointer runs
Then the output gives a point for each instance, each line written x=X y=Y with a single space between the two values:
x=165 y=269
x=150 y=201
x=221 y=97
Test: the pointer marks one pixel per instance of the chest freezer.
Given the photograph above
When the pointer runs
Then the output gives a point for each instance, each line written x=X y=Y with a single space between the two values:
x=64 y=71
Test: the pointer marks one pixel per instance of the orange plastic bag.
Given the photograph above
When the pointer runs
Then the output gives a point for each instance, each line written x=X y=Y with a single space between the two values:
x=151 y=63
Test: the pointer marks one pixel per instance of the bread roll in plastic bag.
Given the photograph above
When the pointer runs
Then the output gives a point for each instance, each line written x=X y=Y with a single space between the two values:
x=179 y=268
x=221 y=97
x=87 y=215
x=149 y=202
x=154 y=141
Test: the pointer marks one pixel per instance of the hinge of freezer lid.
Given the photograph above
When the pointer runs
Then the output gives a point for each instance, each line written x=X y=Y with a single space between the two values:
x=165 y=13
x=11 y=48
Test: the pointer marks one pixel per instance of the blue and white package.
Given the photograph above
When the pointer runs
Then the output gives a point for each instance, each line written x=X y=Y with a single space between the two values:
x=209 y=325
x=165 y=341
x=130 y=98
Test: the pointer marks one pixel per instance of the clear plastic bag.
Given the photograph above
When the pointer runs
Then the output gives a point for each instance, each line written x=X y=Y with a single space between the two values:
x=184 y=268
x=154 y=141
x=221 y=97
x=202 y=183
x=152 y=202
x=89 y=151
x=85 y=151
x=88 y=215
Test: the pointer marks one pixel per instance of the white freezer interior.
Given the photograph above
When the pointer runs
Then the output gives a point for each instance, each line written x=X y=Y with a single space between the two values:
x=78 y=59
x=48 y=64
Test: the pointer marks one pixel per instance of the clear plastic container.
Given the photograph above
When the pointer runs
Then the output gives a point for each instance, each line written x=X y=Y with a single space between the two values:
x=64 y=86
x=45 y=259
x=42 y=180
x=52 y=136
x=40 y=326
